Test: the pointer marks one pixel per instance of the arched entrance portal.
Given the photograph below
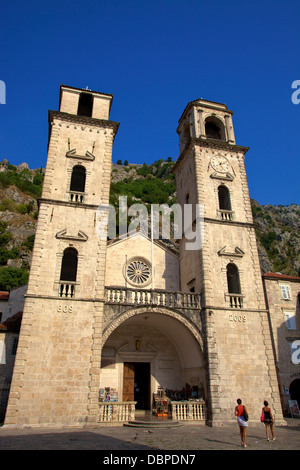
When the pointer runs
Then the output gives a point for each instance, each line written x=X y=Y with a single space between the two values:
x=295 y=390
x=149 y=351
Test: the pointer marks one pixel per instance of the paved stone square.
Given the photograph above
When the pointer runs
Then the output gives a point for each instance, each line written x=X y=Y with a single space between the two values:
x=120 y=438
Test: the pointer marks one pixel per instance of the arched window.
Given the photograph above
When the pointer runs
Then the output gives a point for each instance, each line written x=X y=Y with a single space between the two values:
x=224 y=198
x=214 y=128
x=68 y=270
x=78 y=179
x=233 y=279
x=85 y=104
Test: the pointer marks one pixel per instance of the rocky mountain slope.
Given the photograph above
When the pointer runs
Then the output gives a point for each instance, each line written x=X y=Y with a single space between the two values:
x=278 y=227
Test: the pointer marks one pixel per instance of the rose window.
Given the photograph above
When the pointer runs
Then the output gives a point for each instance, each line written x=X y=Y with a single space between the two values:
x=138 y=272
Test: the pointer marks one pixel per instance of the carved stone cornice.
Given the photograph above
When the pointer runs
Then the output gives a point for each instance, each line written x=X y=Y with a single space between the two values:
x=83 y=120
x=229 y=222
x=219 y=144
x=58 y=202
x=209 y=143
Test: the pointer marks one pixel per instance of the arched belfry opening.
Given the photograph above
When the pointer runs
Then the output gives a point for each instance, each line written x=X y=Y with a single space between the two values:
x=214 y=128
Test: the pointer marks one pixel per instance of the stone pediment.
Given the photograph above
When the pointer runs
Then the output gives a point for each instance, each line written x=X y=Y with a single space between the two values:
x=166 y=245
x=88 y=155
x=81 y=236
x=238 y=252
x=219 y=176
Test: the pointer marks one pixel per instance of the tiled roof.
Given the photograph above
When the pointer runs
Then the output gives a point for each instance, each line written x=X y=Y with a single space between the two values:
x=13 y=323
x=281 y=276
x=4 y=295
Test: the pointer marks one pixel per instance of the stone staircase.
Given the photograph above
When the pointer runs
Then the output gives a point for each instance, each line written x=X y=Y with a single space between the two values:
x=145 y=419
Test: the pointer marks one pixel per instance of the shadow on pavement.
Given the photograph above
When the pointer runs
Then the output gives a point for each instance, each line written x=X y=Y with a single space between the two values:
x=68 y=441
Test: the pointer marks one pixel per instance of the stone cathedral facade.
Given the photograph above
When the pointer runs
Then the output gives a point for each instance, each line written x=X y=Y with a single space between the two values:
x=129 y=314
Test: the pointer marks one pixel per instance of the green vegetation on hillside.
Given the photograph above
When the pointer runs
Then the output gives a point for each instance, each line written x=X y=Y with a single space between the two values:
x=155 y=184
x=277 y=232
x=6 y=238
x=12 y=277
x=277 y=227
x=27 y=181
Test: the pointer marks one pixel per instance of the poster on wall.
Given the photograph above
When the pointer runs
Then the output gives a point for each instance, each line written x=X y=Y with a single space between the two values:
x=293 y=404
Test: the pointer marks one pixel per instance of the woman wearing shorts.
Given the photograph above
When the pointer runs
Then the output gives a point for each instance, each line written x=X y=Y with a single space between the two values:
x=239 y=411
x=268 y=420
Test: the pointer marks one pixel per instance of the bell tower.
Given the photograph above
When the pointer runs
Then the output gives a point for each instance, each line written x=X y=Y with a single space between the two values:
x=225 y=270
x=56 y=374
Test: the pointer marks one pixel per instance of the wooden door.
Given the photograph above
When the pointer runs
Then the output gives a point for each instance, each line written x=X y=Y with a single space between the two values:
x=128 y=382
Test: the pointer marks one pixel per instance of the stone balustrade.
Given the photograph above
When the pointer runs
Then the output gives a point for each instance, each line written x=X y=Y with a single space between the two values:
x=121 y=412
x=188 y=410
x=116 y=412
x=76 y=196
x=122 y=295
x=235 y=300
x=66 y=289
x=225 y=214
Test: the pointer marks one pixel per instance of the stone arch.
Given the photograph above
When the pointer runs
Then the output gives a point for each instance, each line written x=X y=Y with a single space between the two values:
x=168 y=344
x=121 y=318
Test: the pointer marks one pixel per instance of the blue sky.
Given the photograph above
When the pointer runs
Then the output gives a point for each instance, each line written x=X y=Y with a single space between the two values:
x=155 y=57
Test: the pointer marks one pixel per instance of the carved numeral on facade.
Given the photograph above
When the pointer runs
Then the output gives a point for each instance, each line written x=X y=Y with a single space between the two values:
x=237 y=318
x=65 y=308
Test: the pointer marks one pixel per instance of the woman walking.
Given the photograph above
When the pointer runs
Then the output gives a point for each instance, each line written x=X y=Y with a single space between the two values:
x=239 y=412
x=268 y=420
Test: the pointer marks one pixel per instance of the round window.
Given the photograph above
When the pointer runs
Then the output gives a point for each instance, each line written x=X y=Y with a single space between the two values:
x=138 y=272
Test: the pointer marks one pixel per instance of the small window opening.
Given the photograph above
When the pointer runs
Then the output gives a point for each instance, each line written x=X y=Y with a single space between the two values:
x=85 y=105
x=69 y=265
x=224 y=198
x=233 y=279
x=285 y=291
x=78 y=179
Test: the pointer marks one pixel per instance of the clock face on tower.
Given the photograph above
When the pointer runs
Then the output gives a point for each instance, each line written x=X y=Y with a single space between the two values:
x=220 y=164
